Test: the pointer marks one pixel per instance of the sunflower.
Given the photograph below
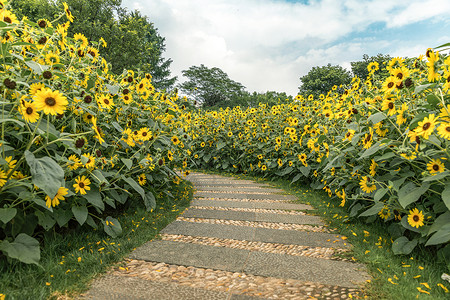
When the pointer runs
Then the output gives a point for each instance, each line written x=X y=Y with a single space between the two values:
x=82 y=185
x=141 y=87
x=175 y=140
x=74 y=162
x=373 y=66
x=2 y=178
x=384 y=213
x=280 y=162
x=97 y=131
x=349 y=135
x=435 y=166
x=445 y=113
x=127 y=99
x=415 y=218
x=87 y=117
x=8 y=17
x=230 y=134
x=28 y=111
x=145 y=134
x=62 y=191
x=142 y=179
x=90 y=163
x=389 y=84
x=170 y=155
x=104 y=101
x=373 y=167
x=367 y=141
x=388 y=104
x=426 y=127
x=51 y=102
x=365 y=187
x=52 y=58
x=68 y=13
x=401 y=118
x=444 y=130
x=263 y=167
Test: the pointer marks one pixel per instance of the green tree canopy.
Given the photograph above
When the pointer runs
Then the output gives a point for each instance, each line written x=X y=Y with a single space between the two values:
x=359 y=68
x=320 y=80
x=210 y=86
x=133 y=41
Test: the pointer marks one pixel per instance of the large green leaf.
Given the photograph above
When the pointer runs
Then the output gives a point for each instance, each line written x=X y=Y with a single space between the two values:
x=24 y=248
x=94 y=197
x=80 y=213
x=376 y=118
x=305 y=170
x=45 y=219
x=403 y=246
x=446 y=195
x=112 y=227
x=45 y=173
x=410 y=193
x=373 y=210
x=149 y=201
x=441 y=236
x=62 y=216
x=6 y=214
x=135 y=186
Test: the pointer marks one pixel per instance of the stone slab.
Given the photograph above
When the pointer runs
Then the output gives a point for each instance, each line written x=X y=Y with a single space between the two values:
x=112 y=287
x=231 y=185
x=248 y=204
x=323 y=271
x=245 y=196
x=220 y=231
x=186 y=254
x=246 y=189
x=251 y=216
x=302 y=238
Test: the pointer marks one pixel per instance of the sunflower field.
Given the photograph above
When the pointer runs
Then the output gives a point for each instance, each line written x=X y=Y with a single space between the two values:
x=379 y=147
x=77 y=142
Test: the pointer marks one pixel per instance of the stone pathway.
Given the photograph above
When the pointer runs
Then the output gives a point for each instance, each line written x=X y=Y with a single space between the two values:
x=238 y=240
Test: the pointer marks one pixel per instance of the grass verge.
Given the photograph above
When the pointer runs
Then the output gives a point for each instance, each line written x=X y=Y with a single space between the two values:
x=415 y=276
x=71 y=260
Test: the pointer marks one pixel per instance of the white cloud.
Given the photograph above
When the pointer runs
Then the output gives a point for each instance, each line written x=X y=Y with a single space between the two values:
x=269 y=44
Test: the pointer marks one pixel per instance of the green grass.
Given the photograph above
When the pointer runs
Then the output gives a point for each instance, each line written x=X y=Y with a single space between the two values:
x=71 y=259
x=393 y=276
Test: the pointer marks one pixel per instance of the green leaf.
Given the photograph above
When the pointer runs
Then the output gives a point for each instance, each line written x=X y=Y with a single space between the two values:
x=305 y=170
x=296 y=178
x=410 y=193
x=45 y=219
x=6 y=214
x=376 y=118
x=45 y=173
x=113 y=89
x=94 y=197
x=423 y=87
x=433 y=99
x=403 y=246
x=440 y=221
x=80 y=213
x=128 y=162
x=62 y=216
x=37 y=68
x=112 y=227
x=24 y=248
x=135 y=186
x=446 y=195
x=372 y=150
x=98 y=176
x=442 y=236
x=220 y=145
x=380 y=194
x=373 y=210
x=149 y=201
x=117 y=126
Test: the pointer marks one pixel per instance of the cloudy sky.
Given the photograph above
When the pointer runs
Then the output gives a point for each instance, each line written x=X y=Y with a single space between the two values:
x=270 y=44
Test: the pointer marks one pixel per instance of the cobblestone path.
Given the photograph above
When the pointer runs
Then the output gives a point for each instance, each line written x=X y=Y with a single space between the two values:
x=238 y=240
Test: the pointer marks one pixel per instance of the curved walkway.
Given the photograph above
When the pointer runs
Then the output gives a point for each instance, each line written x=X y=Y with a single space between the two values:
x=238 y=240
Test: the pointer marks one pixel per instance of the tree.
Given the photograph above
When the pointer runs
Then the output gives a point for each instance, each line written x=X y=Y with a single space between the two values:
x=320 y=80
x=133 y=41
x=359 y=68
x=210 y=86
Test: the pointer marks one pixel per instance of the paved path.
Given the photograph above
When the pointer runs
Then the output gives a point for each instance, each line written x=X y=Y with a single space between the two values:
x=238 y=240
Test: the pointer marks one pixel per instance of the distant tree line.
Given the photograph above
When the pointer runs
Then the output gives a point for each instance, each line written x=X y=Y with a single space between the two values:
x=133 y=41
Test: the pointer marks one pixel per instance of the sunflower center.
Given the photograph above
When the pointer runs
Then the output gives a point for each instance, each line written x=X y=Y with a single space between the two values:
x=426 y=126
x=435 y=167
x=390 y=85
x=7 y=20
x=50 y=101
x=144 y=133
x=399 y=75
x=416 y=218
x=29 y=110
x=391 y=105
x=81 y=185
x=106 y=101
x=447 y=128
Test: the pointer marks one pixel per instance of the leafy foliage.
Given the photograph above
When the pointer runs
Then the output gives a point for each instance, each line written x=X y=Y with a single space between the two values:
x=320 y=80
x=359 y=68
x=210 y=86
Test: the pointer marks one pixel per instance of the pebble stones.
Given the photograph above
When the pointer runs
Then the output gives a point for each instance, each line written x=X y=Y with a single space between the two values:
x=256 y=210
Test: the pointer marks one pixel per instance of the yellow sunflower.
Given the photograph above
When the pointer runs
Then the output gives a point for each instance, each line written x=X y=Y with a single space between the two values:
x=145 y=134
x=444 y=130
x=51 y=102
x=82 y=185
x=426 y=127
x=74 y=162
x=388 y=104
x=90 y=163
x=415 y=218
x=28 y=111
x=384 y=213
x=97 y=131
x=366 y=186
x=2 y=178
x=175 y=140
x=435 y=166
x=373 y=167
x=104 y=101
x=127 y=137
x=142 y=179
x=389 y=84
x=62 y=191
x=35 y=87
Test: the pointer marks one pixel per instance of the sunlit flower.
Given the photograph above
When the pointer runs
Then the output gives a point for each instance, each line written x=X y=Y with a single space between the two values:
x=82 y=185
x=51 y=102
x=426 y=127
x=435 y=166
x=62 y=191
x=415 y=218
x=366 y=186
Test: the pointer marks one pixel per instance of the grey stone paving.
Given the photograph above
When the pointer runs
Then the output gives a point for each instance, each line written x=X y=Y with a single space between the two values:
x=254 y=234
x=284 y=266
x=251 y=216
x=244 y=204
x=253 y=262
x=245 y=196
